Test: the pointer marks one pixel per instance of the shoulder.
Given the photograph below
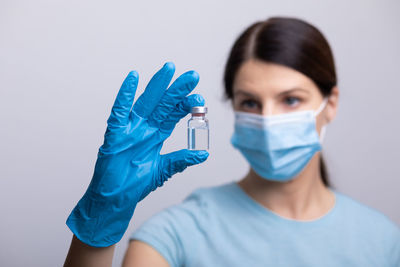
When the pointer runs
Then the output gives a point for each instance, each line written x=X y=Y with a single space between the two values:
x=212 y=195
x=195 y=208
x=205 y=202
x=368 y=224
x=358 y=212
x=178 y=229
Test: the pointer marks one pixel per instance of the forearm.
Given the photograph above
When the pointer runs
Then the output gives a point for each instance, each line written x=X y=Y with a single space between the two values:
x=83 y=255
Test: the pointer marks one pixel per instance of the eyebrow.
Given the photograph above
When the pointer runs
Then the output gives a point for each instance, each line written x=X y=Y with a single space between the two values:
x=242 y=92
x=246 y=93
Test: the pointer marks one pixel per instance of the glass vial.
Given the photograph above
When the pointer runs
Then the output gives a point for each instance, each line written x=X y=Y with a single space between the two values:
x=198 y=131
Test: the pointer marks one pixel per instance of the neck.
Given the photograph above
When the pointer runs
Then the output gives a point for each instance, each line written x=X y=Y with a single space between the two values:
x=303 y=198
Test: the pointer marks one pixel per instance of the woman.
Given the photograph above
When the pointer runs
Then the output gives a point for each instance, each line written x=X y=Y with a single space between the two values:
x=281 y=79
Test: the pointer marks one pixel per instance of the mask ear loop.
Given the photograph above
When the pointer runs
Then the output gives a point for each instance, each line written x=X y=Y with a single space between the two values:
x=321 y=107
x=323 y=128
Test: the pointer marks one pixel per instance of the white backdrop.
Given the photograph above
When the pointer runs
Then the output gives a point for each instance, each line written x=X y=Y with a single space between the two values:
x=62 y=63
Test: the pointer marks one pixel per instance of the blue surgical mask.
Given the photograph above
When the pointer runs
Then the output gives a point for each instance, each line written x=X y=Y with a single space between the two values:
x=278 y=147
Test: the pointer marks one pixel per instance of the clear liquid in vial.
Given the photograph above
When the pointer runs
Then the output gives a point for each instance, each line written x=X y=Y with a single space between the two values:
x=198 y=138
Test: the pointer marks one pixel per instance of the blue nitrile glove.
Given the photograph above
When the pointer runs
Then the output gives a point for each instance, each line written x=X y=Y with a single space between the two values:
x=129 y=165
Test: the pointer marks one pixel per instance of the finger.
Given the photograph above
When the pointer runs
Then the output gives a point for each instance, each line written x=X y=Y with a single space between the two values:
x=181 y=110
x=154 y=90
x=124 y=100
x=181 y=87
x=178 y=161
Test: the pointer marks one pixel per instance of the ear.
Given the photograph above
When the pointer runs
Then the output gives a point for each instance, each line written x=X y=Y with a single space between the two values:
x=332 y=104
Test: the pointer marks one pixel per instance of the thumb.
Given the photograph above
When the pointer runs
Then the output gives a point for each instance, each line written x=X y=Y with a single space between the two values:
x=178 y=161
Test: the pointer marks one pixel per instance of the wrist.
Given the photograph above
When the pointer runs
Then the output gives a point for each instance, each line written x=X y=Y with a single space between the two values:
x=98 y=222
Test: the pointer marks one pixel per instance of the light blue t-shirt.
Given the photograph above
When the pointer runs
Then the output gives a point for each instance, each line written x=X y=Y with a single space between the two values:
x=223 y=226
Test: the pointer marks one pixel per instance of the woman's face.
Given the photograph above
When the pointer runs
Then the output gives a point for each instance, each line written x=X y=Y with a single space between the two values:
x=268 y=89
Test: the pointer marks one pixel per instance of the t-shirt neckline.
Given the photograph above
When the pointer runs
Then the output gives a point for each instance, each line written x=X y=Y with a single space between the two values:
x=257 y=207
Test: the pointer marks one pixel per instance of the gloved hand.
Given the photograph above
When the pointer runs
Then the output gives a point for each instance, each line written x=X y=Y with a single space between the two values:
x=129 y=165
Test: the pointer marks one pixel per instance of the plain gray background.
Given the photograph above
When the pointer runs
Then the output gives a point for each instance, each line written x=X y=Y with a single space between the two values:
x=62 y=63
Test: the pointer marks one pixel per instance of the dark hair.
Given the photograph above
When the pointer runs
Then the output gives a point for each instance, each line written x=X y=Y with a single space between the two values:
x=290 y=42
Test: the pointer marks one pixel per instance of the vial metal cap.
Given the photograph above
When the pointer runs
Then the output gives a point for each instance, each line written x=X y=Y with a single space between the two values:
x=199 y=109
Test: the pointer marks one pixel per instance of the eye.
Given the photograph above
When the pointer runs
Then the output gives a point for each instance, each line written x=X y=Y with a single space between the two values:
x=291 y=101
x=249 y=103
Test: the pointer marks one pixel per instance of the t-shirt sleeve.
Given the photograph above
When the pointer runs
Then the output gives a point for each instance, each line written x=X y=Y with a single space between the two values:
x=175 y=230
